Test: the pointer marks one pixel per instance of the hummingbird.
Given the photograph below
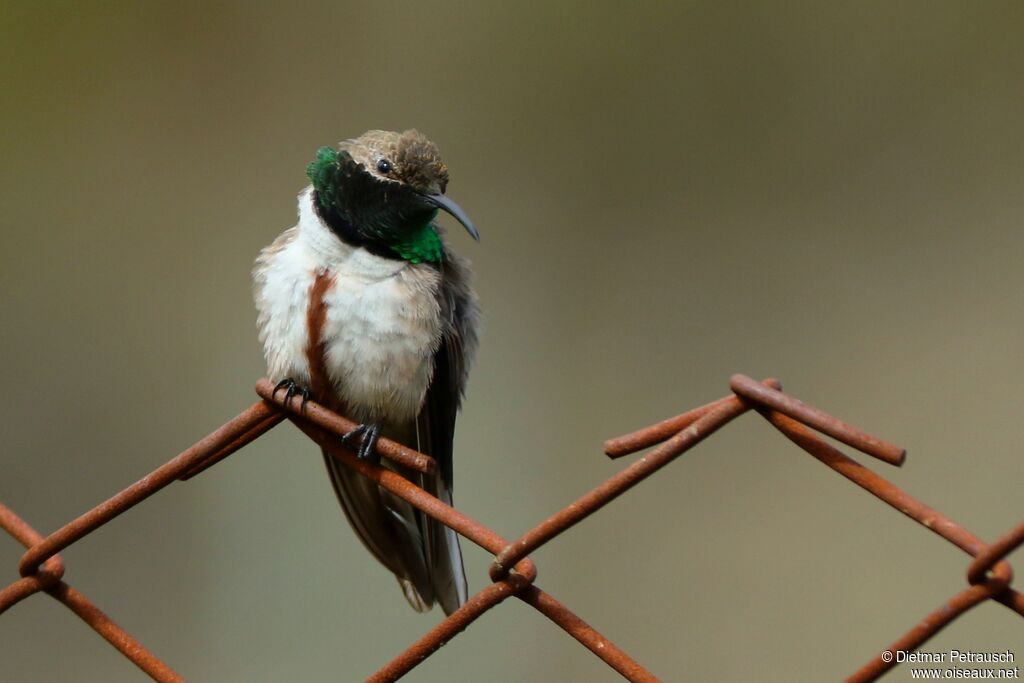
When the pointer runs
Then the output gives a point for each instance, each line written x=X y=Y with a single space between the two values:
x=364 y=308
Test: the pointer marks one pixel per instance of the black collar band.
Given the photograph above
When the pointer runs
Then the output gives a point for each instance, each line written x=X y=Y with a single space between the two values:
x=348 y=233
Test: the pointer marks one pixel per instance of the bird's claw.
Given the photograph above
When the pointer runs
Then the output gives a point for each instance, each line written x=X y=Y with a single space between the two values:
x=368 y=445
x=292 y=388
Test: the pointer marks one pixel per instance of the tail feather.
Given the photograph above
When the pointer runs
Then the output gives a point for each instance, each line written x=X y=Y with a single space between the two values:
x=444 y=554
x=422 y=553
x=389 y=528
x=412 y=596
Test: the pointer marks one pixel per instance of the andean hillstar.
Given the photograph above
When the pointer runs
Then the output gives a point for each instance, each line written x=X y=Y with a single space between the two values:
x=364 y=308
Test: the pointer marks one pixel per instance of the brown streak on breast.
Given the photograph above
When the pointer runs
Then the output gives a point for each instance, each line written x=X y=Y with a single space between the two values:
x=316 y=347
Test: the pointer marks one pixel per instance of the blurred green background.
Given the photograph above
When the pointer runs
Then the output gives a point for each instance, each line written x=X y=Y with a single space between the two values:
x=668 y=193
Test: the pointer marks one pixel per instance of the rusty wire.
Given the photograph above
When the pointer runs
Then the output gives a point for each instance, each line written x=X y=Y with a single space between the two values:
x=512 y=573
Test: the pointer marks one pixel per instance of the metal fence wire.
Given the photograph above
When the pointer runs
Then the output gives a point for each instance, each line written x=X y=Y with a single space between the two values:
x=512 y=573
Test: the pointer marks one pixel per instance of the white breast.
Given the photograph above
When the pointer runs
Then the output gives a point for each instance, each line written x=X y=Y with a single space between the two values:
x=382 y=333
x=383 y=322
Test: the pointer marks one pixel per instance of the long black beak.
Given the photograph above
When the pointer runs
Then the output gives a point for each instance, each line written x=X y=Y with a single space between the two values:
x=450 y=207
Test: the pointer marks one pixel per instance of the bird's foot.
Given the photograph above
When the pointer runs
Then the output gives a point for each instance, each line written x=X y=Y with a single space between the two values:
x=292 y=388
x=370 y=432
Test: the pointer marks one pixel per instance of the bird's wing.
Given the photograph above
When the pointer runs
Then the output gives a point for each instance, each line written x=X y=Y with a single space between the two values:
x=436 y=425
x=453 y=359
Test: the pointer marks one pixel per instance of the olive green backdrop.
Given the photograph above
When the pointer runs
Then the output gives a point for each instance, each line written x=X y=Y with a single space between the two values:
x=668 y=193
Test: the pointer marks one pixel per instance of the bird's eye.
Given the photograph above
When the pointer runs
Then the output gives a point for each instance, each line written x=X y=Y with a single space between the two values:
x=384 y=166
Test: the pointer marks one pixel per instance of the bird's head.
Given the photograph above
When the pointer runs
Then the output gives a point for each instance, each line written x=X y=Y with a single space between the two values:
x=382 y=190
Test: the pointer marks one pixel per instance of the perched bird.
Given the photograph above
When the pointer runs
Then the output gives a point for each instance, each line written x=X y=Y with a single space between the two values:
x=364 y=308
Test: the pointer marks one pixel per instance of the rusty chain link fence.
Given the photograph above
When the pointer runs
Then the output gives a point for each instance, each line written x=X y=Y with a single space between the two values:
x=512 y=573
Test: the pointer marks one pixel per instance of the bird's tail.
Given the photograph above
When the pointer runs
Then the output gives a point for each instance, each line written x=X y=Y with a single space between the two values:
x=423 y=554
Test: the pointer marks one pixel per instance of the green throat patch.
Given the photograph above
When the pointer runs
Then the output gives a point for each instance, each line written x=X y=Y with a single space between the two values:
x=422 y=246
